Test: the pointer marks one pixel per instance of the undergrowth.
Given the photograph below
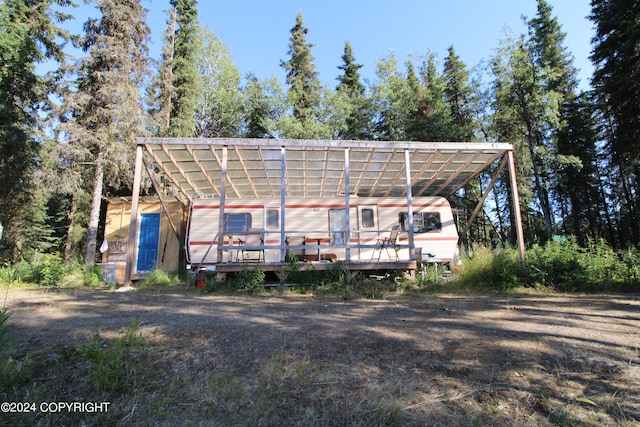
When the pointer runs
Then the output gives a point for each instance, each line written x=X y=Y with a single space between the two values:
x=560 y=265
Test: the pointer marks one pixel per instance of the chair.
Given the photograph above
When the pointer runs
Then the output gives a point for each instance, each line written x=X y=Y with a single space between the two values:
x=391 y=241
x=253 y=242
x=300 y=254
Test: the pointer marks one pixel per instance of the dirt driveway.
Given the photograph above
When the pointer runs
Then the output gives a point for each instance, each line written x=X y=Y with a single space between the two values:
x=525 y=359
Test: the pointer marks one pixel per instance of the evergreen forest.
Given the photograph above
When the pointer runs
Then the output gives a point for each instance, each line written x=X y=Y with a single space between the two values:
x=67 y=135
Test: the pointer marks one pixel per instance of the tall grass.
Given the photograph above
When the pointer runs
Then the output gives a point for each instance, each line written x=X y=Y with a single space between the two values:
x=50 y=270
x=558 y=265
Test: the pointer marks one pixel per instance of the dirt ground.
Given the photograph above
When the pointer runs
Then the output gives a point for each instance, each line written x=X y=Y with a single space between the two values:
x=500 y=359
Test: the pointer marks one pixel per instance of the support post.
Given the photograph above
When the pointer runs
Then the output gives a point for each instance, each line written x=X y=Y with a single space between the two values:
x=347 y=204
x=223 y=184
x=283 y=198
x=133 y=222
x=516 y=210
x=407 y=168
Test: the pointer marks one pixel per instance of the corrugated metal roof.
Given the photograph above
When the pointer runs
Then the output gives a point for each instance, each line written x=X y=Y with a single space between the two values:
x=316 y=168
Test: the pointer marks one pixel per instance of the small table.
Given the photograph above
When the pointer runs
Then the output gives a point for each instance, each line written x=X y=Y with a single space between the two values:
x=319 y=241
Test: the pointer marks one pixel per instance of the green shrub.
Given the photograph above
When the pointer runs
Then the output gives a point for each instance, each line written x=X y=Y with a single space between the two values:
x=498 y=269
x=11 y=372
x=49 y=269
x=565 y=266
x=156 y=279
x=116 y=365
x=250 y=280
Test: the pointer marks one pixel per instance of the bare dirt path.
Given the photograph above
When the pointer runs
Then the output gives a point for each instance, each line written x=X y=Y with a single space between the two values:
x=525 y=359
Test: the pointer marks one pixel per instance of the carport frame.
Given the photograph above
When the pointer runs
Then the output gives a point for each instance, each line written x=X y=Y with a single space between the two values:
x=192 y=163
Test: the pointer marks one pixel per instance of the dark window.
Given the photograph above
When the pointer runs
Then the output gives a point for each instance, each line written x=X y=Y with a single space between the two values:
x=237 y=223
x=367 y=218
x=423 y=222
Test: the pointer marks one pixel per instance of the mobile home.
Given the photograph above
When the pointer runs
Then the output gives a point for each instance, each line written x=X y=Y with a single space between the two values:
x=372 y=230
x=374 y=205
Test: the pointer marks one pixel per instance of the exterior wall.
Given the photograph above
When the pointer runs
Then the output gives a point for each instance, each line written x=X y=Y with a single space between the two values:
x=310 y=218
x=170 y=248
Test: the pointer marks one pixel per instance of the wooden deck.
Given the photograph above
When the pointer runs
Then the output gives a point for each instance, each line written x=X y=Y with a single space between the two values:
x=276 y=267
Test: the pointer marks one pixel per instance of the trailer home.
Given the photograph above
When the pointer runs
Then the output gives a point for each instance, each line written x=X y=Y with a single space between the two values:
x=316 y=230
x=373 y=205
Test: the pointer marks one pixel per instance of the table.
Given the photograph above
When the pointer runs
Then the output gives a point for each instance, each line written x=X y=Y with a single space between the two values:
x=319 y=241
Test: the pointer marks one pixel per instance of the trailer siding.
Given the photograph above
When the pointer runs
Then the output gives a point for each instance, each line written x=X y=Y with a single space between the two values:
x=310 y=218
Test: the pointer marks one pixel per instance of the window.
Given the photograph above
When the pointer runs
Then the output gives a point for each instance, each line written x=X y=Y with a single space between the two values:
x=367 y=218
x=423 y=222
x=237 y=223
x=273 y=219
x=338 y=226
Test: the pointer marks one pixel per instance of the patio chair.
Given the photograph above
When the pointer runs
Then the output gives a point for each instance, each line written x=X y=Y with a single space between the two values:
x=253 y=243
x=389 y=242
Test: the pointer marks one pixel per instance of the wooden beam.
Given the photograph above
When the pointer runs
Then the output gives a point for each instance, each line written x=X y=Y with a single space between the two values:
x=133 y=222
x=407 y=167
x=167 y=173
x=433 y=177
x=223 y=185
x=456 y=174
x=181 y=171
x=516 y=210
x=204 y=171
x=483 y=198
x=160 y=197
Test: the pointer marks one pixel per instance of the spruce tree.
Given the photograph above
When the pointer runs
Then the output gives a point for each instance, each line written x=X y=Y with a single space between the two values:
x=160 y=92
x=29 y=35
x=429 y=119
x=616 y=56
x=184 y=73
x=458 y=94
x=263 y=107
x=304 y=86
x=359 y=119
x=106 y=110
x=586 y=210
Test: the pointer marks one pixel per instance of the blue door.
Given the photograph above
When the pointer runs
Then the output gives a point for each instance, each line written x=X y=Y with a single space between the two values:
x=148 y=242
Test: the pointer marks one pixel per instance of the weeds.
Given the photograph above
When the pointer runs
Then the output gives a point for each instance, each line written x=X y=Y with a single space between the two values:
x=116 y=365
x=559 y=265
x=11 y=372
x=156 y=279
x=247 y=280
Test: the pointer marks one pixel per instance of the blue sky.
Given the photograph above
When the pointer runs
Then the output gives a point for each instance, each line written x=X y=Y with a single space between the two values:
x=256 y=32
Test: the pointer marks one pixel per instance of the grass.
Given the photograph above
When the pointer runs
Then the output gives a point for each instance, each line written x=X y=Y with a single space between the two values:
x=261 y=369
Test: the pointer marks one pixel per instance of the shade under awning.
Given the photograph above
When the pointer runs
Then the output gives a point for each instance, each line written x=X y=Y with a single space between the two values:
x=316 y=168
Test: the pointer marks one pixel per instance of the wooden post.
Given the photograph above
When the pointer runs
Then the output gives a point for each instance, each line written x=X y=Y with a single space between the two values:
x=347 y=203
x=223 y=185
x=283 y=198
x=516 y=210
x=133 y=224
x=407 y=168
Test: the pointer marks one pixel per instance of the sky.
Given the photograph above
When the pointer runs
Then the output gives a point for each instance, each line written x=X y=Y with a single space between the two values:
x=257 y=32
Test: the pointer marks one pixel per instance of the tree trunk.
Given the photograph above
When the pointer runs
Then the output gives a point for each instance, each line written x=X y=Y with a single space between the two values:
x=94 y=216
x=68 y=246
x=541 y=189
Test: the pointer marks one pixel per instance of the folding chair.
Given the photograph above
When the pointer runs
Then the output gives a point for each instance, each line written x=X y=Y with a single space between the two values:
x=252 y=243
x=391 y=241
